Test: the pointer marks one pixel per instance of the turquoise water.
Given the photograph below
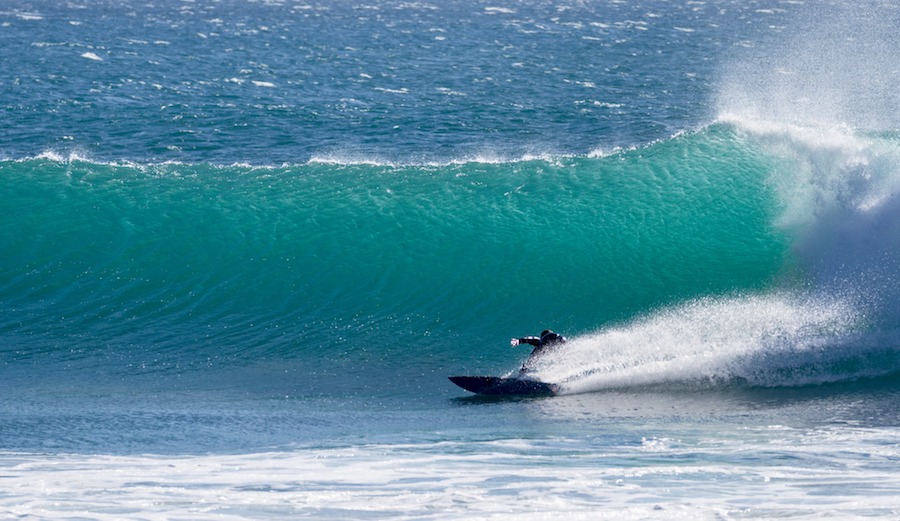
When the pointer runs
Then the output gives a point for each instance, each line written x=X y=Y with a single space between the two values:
x=245 y=243
x=239 y=262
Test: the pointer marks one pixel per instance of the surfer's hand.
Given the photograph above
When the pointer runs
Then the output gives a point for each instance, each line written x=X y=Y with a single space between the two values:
x=513 y=342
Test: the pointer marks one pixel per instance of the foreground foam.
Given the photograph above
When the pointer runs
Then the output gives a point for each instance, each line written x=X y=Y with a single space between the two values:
x=689 y=474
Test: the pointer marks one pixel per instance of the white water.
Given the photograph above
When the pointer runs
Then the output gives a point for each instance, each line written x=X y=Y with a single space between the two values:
x=760 y=340
x=725 y=472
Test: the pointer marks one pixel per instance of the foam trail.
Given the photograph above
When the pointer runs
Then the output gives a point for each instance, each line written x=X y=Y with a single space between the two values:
x=762 y=340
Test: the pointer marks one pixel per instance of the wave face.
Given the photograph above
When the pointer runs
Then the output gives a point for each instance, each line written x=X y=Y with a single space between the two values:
x=165 y=267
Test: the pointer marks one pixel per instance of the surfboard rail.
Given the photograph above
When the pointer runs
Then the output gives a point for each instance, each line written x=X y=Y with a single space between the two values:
x=499 y=386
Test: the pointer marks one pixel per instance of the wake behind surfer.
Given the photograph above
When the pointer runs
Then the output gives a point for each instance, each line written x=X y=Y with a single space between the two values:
x=543 y=344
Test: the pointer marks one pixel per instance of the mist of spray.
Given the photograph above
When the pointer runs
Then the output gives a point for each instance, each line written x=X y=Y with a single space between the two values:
x=833 y=65
x=759 y=340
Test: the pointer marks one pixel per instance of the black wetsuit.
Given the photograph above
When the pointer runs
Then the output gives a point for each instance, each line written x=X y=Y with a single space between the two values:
x=543 y=343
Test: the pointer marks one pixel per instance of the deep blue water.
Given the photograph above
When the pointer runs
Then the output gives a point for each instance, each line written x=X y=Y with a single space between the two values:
x=275 y=82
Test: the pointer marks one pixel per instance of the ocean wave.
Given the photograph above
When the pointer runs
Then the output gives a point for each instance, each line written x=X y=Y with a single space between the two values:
x=254 y=257
x=193 y=253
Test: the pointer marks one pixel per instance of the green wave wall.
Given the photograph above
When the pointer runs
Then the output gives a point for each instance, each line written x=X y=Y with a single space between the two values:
x=166 y=265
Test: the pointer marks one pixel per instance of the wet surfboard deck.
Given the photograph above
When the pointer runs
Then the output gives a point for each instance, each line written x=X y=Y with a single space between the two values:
x=499 y=386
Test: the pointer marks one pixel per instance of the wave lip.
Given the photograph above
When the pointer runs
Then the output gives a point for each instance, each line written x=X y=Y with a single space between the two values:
x=485 y=158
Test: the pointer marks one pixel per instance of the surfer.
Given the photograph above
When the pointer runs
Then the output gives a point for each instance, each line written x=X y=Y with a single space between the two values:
x=542 y=344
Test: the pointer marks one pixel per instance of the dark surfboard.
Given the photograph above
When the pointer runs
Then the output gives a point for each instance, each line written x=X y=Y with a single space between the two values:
x=497 y=386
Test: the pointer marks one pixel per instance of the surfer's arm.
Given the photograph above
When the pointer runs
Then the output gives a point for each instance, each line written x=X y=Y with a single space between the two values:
x=530 y=340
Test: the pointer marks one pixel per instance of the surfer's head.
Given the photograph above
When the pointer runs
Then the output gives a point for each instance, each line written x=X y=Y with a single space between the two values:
x=549 y=338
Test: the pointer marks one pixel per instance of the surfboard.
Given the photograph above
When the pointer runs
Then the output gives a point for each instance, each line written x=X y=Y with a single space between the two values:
x=498 y=386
